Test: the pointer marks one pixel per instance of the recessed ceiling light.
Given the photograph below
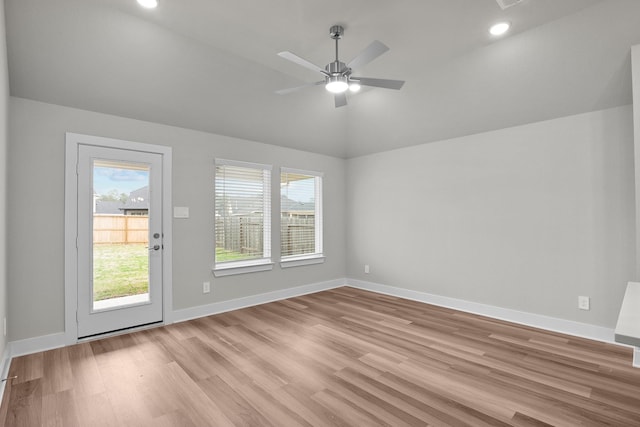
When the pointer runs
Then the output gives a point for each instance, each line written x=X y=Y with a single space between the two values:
x=499 y=29
x=149 y=4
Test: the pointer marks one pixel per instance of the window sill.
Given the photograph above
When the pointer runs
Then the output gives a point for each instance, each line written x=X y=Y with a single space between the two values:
x=300 y=261
x=242 y=267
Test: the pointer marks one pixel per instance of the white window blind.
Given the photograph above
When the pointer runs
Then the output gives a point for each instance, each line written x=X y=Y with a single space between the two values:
x=243 y=213
x=300 y=213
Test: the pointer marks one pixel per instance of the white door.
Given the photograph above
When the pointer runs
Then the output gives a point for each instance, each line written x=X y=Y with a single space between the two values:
x=119 y=239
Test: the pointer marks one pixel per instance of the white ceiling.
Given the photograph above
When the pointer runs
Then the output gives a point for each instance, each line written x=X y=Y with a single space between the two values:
x=212 y=65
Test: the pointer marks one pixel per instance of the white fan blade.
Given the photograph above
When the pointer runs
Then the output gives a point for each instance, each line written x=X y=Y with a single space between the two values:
x=383 y=83
x=341 y=99
x=370 y=53
x=293 y=89
x=300 y=61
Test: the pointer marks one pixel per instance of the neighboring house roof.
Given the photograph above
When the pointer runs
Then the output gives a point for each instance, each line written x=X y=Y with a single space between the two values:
x=288 y=205
x=138 y=199
x=247 y=205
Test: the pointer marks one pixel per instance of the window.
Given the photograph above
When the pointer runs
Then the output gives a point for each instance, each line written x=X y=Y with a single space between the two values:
x=300 y=217
x=242 y=217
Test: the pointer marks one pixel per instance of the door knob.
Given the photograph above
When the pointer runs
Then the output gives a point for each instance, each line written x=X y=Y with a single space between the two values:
x=154 y=248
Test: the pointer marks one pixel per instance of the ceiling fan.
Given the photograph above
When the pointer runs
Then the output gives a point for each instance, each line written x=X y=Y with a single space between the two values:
x=337 y=75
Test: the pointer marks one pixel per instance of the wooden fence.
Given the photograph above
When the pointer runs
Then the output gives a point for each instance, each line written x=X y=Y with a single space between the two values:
x=243 y=234
x=120 y=229
x=297 y=235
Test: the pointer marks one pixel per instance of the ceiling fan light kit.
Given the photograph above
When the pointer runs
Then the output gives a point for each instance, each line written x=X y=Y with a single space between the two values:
x=338 y=75
x=336 y=84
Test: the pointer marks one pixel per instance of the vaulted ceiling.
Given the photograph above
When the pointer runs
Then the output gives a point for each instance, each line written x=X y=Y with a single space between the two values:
x=212 y=65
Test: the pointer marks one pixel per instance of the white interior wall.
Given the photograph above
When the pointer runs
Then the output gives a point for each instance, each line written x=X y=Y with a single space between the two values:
x=525 y=218
x=36 y=214
x=4 y=111
x=635 y=73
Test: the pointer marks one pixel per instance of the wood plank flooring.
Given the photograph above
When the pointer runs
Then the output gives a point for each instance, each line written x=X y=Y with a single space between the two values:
x=343 y=357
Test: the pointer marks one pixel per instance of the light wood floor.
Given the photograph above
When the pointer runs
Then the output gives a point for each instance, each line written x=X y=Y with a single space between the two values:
x=337 y=358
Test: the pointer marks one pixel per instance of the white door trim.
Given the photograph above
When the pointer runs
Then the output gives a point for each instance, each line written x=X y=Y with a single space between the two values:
x=73 y=140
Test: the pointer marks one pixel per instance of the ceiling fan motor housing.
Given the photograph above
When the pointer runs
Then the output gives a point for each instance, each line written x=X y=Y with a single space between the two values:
x=337 y=68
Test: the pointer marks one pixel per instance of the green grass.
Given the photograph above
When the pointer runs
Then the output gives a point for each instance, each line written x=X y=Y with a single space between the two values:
x=120 y=270
x=223 y=255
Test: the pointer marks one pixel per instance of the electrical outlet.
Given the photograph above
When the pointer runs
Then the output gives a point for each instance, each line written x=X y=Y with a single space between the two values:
x=583 y=303
x=206 y=287
x=366 y=268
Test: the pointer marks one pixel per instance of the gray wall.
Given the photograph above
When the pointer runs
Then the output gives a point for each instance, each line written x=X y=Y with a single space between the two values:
x=526 y=218
x=4 y=111
x=36 y=213
x=635 y=66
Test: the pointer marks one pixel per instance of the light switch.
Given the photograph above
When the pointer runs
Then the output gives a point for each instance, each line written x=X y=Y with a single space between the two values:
x=180 y=212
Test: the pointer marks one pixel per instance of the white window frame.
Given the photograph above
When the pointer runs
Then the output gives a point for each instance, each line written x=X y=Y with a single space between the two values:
x=318 y=256
x=265 y=263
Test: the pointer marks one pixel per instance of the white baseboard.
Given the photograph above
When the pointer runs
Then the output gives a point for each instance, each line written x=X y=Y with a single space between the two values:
x=598 y=333
x=27 y=346
x=554 y=324
x=4 y=370
x=6 y=361
x=235 y=304
x=49 y=342
x=36 y=344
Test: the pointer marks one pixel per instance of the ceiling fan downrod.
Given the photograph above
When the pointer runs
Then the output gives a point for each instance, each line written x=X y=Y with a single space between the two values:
x=336 y=32
x=338 y=73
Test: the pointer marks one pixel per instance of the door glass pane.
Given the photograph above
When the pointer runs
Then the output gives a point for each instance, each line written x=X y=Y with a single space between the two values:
x=120 y=234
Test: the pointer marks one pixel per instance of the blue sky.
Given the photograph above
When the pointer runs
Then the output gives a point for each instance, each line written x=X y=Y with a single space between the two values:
x=300 y=191
x=122 y=180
